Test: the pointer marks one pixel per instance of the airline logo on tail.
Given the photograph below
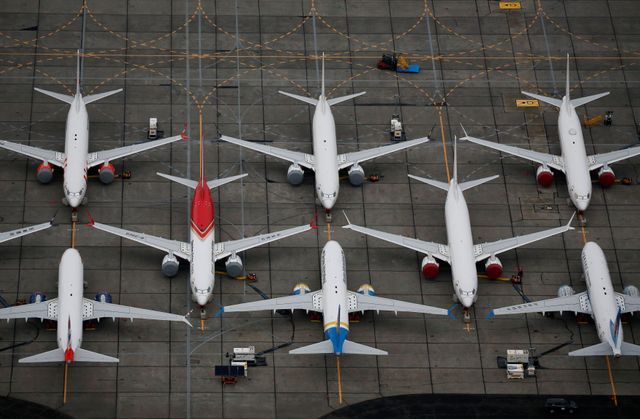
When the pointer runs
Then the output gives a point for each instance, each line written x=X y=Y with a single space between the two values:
x=615 y=327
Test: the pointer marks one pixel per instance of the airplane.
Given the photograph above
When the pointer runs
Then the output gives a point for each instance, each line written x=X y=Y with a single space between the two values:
x=460 y=252
x=76 y=159
x=599 y=300
x=335 y=303
x=70 y=309
x=325 y=160
x=24 y=231
x=573 y=160
x=202 y=251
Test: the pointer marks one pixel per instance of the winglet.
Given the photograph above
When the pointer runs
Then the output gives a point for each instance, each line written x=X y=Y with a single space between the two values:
x=571 y=220
x=187 y=321
x=314 y=221
x=567 y=87
x=183 y=133
x=347 y=218
x=91 y=220
x=464 y=131
x=490 y=315
x=450 y=311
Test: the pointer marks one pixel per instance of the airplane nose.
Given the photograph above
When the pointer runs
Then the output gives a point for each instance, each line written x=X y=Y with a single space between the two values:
x=467 y=302
x=202 y=300
x=328 y=203
x=74 y=202
x=581 y=204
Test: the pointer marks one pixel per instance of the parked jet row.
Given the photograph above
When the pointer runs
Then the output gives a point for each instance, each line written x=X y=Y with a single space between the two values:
x=325 y=160
x=573 y=160
x=599 y=300
x=76 y=159
x=335 y=303
x=70 y=309
x=460 y=251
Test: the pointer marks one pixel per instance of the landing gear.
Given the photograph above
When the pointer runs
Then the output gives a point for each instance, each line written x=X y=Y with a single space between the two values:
x=466 y=315
x=74 y=215
x=203 y=317
x=327 y=216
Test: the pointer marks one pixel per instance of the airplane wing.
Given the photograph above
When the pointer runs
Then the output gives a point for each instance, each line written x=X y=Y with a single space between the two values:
x=178 y=248
x=485 y=250
x=348 y=159
x=44 y=310
x=92 y=309
x=437 y=250
x=578 y=303
x=99 y=157
x=628 y=304
x=311 y=301
x=596 y=161
x=14 y=234
x=54 y=157
x=369 y=302
x=551 y=160
x=224 y=249
x=303 y=159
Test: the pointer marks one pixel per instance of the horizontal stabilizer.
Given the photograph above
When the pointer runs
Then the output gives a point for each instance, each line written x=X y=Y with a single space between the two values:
x=56 y=355
x=336 y=100
x=324 y=347
x=183 y=181
x=442 y=185
x=92 y=98
x=473 y=183
x=63 y=98
x=309 y=100
x=550 y=100
x=630 y=349
x=350 y=347
x=602 y=348
x=212 y=184
x=82 y=355
x=584 y=100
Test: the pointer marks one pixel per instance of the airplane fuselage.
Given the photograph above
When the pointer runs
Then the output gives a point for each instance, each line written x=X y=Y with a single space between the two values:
x=574 y=156
x=70 y=302
x=602 y=297
x=334 y=295
x=460 y=243
x=325 y=152
x=76 y=148
x=202 y=271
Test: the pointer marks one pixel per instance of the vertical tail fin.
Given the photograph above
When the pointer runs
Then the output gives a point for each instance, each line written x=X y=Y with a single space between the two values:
x=78 y=72
x=202 y=178
x=455 y=159
x=322 y=88
x=567 y=87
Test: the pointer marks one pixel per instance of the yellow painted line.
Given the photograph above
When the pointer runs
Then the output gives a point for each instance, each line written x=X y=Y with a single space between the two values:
x=510 y=5
x=444 y=142
x=64 y=385
x=527 y=103
x=339 y=380
x=613 y=384
x=73 y=234
x=329 y=231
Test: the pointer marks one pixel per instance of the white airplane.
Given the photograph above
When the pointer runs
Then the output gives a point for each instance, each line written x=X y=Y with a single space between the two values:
x=76 y=159
x=24 y=231
x=70 y=309
x=202 y=251
x=460 y=252
x=335 y=303
x=325 y=160
x=599 y=300
x=573 y=160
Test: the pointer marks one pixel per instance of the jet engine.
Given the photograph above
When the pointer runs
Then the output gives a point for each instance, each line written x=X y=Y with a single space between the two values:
x=544 y=176
x=366 y=289
x=301 y=289
x=565 y=291
x=37 y=297
x=170 y=265
x=606 y=177
x=356 y=175
x=295 y=174
x=631 y=291
x=44 y=173
x=430 y=267
x=493 y=267
x=104 y=297
x=107 y=173
x=234 y=266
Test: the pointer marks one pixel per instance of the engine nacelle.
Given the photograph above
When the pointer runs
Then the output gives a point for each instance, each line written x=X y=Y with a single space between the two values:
x=301 y=289
x=430 y=267
x=631 y=291
x=606 y=177
x=544 y=176
x=565 y=291
x=107 y=173
x=356 y=175
x=44 y=173
x=366 y=289
x=295 y=174
x=170 y=265
x=37 y=297
x=104 y=297
x=493 y=267
x=234 y=266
